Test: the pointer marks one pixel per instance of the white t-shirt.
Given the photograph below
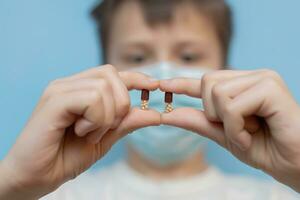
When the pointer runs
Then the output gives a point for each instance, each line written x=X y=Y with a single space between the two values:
x=120 y=182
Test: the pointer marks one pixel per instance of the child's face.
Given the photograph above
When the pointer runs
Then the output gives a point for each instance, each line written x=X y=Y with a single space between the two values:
x=188 y=40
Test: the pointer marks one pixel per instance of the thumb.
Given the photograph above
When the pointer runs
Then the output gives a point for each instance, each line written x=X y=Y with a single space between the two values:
x=135 y=119
x=195 y=121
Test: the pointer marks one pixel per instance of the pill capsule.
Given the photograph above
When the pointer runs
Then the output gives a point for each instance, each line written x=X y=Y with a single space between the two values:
x=168 y=101
x=144 y=99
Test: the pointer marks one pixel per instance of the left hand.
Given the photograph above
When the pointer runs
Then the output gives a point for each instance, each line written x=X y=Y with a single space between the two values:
x=250 y=113
x=76 y=122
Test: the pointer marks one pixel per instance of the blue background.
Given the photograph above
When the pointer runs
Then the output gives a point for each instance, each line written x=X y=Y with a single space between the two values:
x=44 y=40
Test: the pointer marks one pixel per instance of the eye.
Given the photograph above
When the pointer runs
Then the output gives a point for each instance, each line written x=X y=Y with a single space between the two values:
x=189 y=57
x=136 y=59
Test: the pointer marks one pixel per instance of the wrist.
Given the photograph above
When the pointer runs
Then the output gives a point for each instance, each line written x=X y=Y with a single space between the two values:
x=289 y=177
x=11 y=187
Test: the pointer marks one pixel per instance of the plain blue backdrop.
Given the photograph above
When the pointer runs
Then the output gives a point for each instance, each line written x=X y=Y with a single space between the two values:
x=44 y=40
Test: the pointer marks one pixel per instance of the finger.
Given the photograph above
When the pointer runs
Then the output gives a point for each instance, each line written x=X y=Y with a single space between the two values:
x=252 y=124
x=137 y=119
x=132 y=80
x=208 y=82
x=259 y=100
x=109 y=118
x=194 y=120
x=65 y=109
x=84 y=126
x=192 y=87
x=234 y=126
x=222 y=94
x=231 y=121
x=187 y=86
x=134 y=120
x=138 y=81
x=232 y=87
x=120 y=93
x=57 y=88
x=110 y=74
x=224 y=91
x=94 y=72
x=122 y=82
x=201 y=89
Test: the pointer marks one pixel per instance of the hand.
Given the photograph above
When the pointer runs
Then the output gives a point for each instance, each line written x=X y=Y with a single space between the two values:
x=76 y=122
x=250 y=113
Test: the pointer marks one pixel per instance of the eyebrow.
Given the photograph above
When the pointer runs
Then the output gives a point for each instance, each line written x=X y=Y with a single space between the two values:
x=147 y=46
x=189 y=43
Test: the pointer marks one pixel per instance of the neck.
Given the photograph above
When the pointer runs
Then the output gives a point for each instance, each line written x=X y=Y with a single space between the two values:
x=189 y=167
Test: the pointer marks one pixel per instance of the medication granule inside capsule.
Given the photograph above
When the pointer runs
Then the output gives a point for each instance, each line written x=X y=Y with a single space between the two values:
x=145 y=99
x=168 y=101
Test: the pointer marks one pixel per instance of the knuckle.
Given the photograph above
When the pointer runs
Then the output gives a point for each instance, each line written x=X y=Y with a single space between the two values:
x=125 y=74
x=54 y=100
x=206 y=78
x=104 y=69
x=273 y=88
x=52 y=88
x=270 y=83
x=124 y=106
x=208 y=81
x=228 y=109
x=212 y=76
x=109 y=68
x=104 y=85
x=50 y=91
x=271 y=73
x=98 y=84
x=218 y=90
x=95 y=96
x=210 y=116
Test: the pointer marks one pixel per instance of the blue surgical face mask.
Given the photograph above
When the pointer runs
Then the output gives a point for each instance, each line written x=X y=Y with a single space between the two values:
x=165 y=145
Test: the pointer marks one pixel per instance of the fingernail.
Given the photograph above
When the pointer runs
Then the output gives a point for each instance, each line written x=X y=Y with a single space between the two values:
x=83 y=127
x=244 y=141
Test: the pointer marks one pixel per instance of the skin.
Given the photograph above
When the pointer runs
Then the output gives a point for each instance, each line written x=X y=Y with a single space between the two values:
x=265 y=132
x=193 y=43
x=96 y=104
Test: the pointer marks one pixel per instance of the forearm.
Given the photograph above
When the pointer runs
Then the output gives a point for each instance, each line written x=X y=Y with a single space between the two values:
x=10 y=188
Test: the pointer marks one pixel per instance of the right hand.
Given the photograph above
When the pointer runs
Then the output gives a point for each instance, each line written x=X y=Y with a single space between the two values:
x=76 y=122
x=250 y=113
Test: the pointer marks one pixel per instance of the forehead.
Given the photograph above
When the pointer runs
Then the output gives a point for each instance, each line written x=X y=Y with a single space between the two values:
x=129 y=25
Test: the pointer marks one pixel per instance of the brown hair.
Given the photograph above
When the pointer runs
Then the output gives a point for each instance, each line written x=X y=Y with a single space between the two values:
x=158 y=11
